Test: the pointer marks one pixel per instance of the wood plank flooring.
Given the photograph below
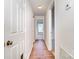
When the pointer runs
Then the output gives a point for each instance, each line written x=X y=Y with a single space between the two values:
x=40 y=51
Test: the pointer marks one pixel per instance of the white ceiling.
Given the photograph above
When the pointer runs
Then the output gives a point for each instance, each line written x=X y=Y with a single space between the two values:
x=43 y=3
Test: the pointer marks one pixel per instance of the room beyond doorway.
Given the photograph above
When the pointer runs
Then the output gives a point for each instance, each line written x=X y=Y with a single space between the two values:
x=39 y=27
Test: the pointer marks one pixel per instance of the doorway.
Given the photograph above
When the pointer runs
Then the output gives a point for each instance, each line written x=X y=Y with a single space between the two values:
x=50 y=29
x=39 y=28
x=53 y=28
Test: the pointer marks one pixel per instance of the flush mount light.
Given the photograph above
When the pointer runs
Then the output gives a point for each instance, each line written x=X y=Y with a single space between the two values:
x=39 y=7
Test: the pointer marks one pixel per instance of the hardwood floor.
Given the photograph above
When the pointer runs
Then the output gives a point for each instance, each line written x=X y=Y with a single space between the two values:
x=40 y=51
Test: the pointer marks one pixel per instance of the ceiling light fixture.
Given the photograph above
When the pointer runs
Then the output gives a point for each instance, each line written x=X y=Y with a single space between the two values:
x=39 y=7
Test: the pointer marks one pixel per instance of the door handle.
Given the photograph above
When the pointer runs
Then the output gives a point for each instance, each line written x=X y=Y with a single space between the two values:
x=9 y=43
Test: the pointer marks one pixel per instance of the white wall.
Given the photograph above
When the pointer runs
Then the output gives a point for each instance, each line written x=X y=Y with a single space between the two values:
x=64 y=23
x=49 y=24
x=29 y=27
x=64 y=28
x=49 y=29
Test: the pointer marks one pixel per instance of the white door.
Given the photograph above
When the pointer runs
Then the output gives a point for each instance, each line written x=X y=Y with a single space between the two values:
x=15 y=52
x=11 y=52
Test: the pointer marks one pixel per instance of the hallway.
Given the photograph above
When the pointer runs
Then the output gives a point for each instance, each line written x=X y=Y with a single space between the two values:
x=38 y=29
x=40 y=51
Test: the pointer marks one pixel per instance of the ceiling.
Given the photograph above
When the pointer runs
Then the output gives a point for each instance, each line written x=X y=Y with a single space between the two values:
x=43 y=3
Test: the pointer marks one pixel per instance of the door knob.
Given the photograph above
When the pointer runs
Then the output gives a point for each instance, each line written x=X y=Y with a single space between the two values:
x=9 y=43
